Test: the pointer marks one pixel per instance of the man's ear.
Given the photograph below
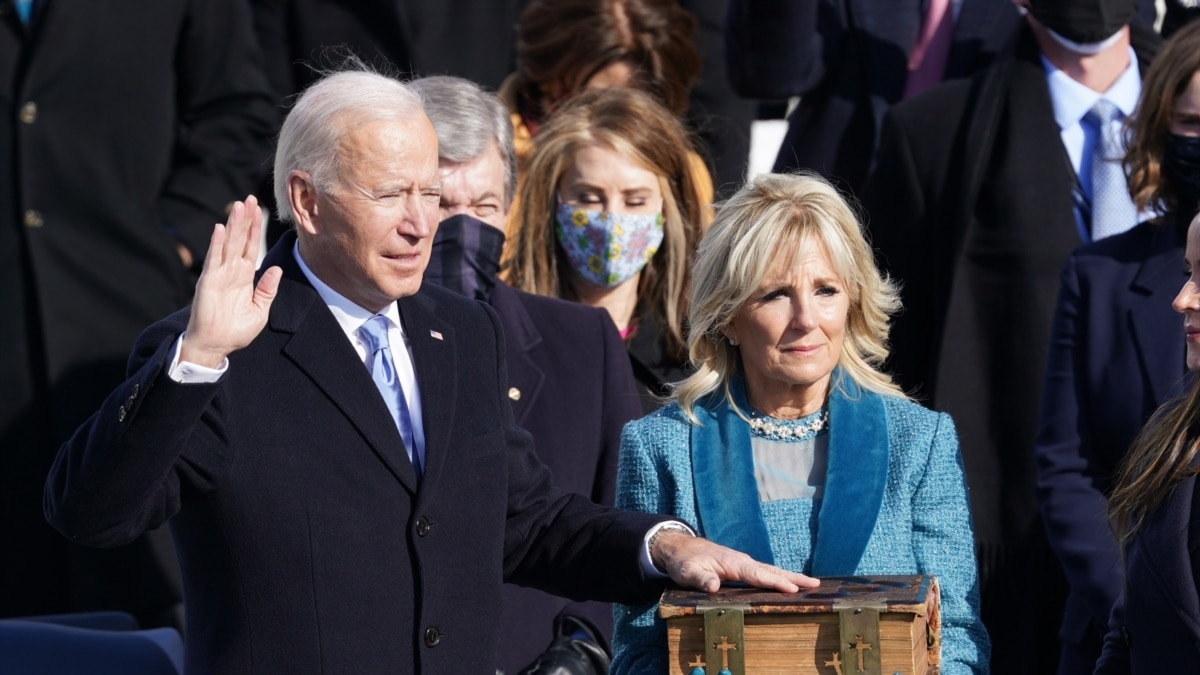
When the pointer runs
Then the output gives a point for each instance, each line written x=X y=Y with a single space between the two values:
x=302 y=195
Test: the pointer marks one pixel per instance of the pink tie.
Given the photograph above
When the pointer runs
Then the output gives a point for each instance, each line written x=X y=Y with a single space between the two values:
x=927 y=64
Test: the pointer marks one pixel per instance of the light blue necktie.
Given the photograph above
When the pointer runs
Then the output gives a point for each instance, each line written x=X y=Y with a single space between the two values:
x=374 y=334
x=24 y=10
x=1113 y=211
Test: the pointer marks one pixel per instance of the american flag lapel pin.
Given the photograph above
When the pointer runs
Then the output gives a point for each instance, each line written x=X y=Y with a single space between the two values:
x=435 y=335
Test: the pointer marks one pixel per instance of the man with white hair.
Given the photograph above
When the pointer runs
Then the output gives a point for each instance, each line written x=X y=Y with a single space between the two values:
x=331 y=442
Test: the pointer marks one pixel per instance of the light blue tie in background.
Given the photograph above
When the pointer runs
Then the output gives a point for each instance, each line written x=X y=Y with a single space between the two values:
x=24 y=9
x=374 y=334
x=1113 y=211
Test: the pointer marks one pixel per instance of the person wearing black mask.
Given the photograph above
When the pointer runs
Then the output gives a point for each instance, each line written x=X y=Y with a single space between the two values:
x=571 y=384
x=1116 y=350
x=982 y=189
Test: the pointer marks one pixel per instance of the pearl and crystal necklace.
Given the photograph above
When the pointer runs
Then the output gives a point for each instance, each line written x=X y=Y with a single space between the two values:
x=788 y=430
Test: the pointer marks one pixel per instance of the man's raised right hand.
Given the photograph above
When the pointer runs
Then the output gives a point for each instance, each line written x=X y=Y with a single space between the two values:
x=229 y=310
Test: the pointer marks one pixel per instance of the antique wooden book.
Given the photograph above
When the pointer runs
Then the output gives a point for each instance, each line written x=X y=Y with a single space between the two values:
x=882 y=625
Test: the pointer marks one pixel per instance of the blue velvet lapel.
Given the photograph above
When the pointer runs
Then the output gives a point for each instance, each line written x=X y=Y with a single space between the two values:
x=727 y=503
x=855 y=479
x=723 y=476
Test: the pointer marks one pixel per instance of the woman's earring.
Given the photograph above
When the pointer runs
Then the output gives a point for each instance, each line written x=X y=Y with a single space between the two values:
x=732 y=342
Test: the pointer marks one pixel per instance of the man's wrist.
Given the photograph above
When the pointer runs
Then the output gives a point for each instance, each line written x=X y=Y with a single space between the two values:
x=188 y=372
x=657 y=531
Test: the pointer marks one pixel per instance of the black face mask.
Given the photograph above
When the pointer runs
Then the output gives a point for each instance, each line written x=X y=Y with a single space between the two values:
x=1181 y=166
x=1084 y=21
x=466 y=256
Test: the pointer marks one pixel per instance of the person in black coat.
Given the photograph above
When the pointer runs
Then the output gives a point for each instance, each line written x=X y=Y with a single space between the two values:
x=847 y=60
x=340 y=505
x=1115 y=348
x=126 y=136
x=570 y=383
x=971 y=209
x=1155 y=511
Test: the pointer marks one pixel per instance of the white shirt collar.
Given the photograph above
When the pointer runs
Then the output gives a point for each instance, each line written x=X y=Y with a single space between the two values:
x=349 y=316
x=1072 y=100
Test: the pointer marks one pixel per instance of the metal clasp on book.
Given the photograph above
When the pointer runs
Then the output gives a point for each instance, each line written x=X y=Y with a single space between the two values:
x=860 y=652
x=724 y=630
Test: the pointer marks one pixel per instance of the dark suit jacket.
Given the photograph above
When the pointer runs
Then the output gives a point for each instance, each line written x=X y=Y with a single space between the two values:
x=1155 y=625
x=847 y=60
x=970 y=210
x=1116 y=354
x=572 y=389
x=414 y=36
x=306 y=543
x=126 y=129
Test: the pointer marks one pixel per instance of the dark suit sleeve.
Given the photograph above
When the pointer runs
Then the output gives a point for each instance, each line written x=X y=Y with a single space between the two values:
x=563 y=543
x=227 y=117
x=124 y=470
x=1114 y=659
x=775 y=48
x=1072 y=504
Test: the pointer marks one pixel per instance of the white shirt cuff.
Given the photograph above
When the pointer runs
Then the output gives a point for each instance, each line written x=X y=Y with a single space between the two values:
x=648 y=567
x=187 y=372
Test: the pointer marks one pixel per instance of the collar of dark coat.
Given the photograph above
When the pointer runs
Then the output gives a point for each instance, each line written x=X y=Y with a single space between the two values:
x=522 y=338
x=1022 y=57
x=520 y=330
x=1157 y=249
x=1020 y=63
x=727 y=500
x=337 y=372
x=1162 y=256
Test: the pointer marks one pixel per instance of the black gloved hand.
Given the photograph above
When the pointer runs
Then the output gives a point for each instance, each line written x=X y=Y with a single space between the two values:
x=575 y=650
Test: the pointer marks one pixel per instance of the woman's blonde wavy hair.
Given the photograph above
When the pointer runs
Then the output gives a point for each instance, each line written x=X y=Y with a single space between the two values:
x=776 y=215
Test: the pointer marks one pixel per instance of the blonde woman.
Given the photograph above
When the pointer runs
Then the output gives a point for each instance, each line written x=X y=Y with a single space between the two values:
x=788 y=443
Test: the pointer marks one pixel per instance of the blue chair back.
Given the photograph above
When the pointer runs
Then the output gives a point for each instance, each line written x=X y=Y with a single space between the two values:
x=100 y=643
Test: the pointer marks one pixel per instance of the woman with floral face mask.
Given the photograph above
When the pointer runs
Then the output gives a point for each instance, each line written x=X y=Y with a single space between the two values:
x=608 y=214
x=1116 y=351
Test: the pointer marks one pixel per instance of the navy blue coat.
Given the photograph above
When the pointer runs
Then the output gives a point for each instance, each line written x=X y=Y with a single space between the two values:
x=305 y=541
x=1155 y=625
x=572 y=389
x=1116 y=354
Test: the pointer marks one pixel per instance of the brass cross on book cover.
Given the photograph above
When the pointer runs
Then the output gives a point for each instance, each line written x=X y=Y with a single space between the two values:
x=879 y=625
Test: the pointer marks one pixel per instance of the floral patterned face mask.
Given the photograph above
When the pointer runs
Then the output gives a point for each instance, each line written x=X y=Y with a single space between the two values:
x=605 y=248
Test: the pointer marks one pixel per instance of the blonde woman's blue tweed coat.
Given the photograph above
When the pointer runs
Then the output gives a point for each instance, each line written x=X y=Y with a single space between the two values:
x=923 y=524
